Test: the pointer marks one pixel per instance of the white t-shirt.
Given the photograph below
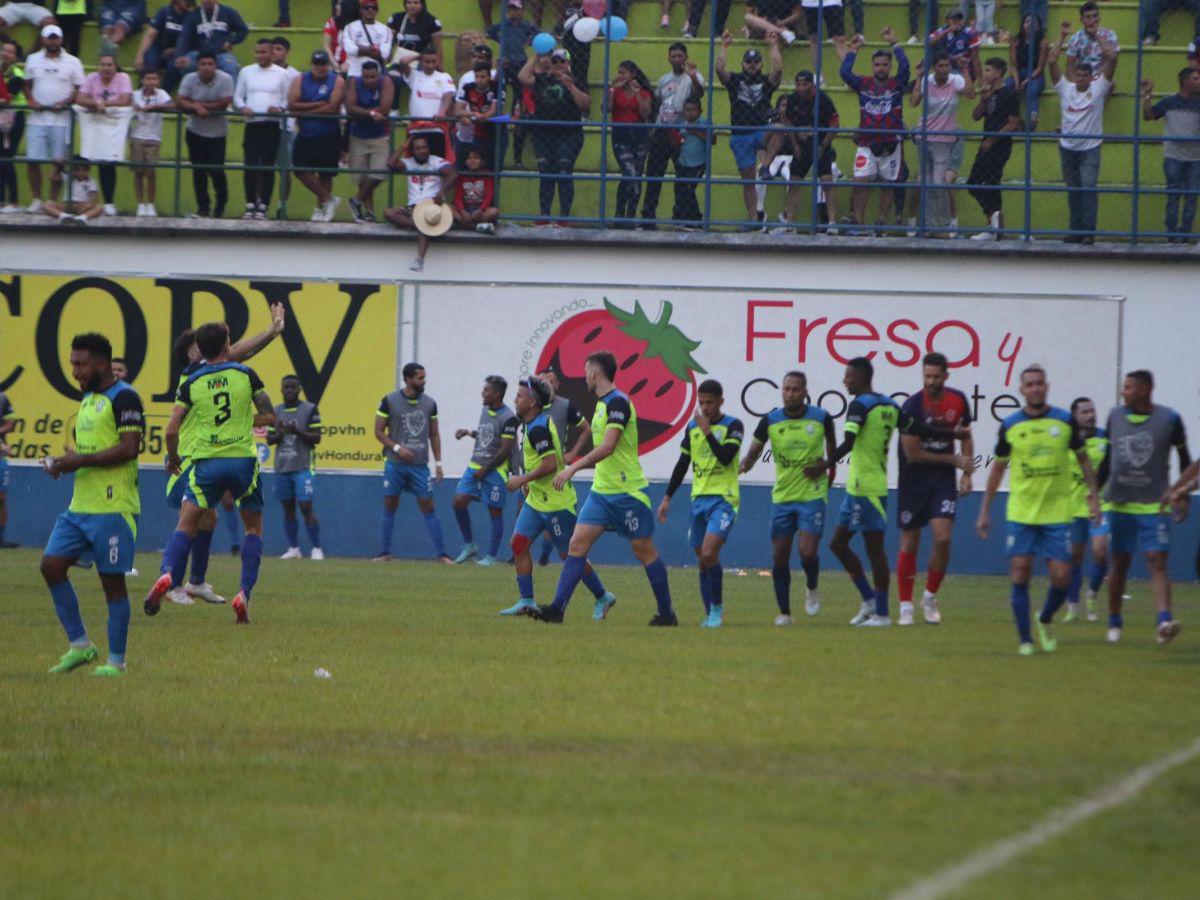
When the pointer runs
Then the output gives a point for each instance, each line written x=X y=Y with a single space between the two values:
x=424 y=179
x=1082 y=112
x=82 y=190
x=261 y=88
x=358 y=33
x=148 y=126
x=427 y=92
x=813 y=4
x=55 y=79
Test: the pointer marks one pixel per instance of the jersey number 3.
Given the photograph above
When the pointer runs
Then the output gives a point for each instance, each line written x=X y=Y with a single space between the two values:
x=221 y=401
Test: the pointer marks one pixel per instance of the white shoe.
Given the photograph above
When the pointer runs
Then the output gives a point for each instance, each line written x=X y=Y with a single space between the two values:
x=110 y=209
x=8 y=209
x=317 y=553
x=293 y=553
x=988 y=41
x=913 y=40
x=933 y=615
x=318 y=214
x=132 y=573
x=864 y=613
x=783 y=620
x=812 y=602
x=953 y=229
x=141 y=210
x=906 y=614
x=789 y=37
x=985 y=236
x=330 y=208
x=485 y=228
x=877 y=622
x=417 y=265
x=151 y=212
x=911 y=230
x=35 y=206
x=180 y=596
x=1114 y=635
x=1166 y=631
x=203 y=592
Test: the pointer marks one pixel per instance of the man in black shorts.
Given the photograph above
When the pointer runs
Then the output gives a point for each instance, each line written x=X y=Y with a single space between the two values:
x=835 y=26
x=796 y=115
x=319 y=143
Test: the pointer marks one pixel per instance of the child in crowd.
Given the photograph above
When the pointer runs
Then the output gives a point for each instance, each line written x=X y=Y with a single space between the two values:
x=692 y=163
x=83 y=196
x=145 y=139
x=473 y=194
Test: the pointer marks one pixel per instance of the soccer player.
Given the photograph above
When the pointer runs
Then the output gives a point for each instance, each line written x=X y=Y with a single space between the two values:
x=870 y=421
x=187 y=356
x=229 y=401
x=406 y=425
x=1036 y=444
x=617 y=500
x=547 y=508
x=800 y=434
x=929 y=491
x=566 y=416
x=710 y=448
x=296 y=431
x=1095 y=442
x=1136 y=474
x=487 y=473
x=8 y=422
x=101 y=522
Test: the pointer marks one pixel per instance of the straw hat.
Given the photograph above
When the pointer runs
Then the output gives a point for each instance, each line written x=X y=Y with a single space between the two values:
x=432 y=219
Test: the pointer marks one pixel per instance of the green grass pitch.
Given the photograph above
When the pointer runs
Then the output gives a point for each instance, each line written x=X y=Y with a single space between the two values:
x=456 y=753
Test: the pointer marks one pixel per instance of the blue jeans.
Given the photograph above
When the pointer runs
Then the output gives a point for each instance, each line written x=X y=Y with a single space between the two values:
x=1155 y=9
x=226 y=62
x=629 y=146
x=1081 y=169
x=1182 y=175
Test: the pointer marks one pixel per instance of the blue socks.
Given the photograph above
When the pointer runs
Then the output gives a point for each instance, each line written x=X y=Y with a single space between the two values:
x=1115 y=620
x=1020 y=608
x=175 y=556
x=386 y=528
x=1076 y=584
x=497 y=535
x=572 y=573
x=251 y=560
x=1055 y=598
x=715 y=585
x=118 y=630
x=881 y=602
x=464 y=524
x=291 y=528
x=235 y=531
x=314 y=533
x=434 y=526
x=592 y=582
x=705 y=590
x=656 y=572
x=525 y=587
x=782 y=577
x=812 y=571
x=1099 y=570
x=865 y=589
x=201 y=544
x=66 y=607
x=1164 y=615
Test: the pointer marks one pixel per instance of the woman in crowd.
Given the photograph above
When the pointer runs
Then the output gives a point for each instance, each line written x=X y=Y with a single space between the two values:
x=417 y=28
x=1027 y=59
x=630 y=103
x=557 y=98
x=108 y=86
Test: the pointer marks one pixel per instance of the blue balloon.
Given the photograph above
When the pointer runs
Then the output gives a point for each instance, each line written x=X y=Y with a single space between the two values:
x=543 y=43
x=615 y=29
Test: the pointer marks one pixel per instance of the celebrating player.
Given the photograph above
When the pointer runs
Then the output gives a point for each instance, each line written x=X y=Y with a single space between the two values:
x=8 y=422
x=1136 y=473
x=1095 y=442
x=566 y=416
x=406 y=425
x=101 y=522
x=229 y=401
x=1036 y=445
x=296 y=432
x=487 y=473
x=870 y=421
x=547 y=508
x=710 y=447
x=617 y=500
x=800 y=434
x=929 y=491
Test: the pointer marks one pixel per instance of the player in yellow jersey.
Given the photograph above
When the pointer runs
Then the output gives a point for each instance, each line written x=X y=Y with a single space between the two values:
x=617 y=501
x=1083 y=530
x=101 y=523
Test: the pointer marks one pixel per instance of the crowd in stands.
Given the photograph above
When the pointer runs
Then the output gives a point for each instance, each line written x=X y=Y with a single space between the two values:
x=376 y=97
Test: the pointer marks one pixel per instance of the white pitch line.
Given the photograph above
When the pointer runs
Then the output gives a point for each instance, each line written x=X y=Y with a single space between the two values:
x=987 y=860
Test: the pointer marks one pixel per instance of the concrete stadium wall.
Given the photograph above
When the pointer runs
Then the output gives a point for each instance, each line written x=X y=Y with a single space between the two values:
x=1160 y=318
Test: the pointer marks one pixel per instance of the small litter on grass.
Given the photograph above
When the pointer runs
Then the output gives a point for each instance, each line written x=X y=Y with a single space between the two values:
x=323 y=673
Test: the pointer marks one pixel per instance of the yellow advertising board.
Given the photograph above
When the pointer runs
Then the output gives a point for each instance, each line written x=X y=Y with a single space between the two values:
x=339 y=339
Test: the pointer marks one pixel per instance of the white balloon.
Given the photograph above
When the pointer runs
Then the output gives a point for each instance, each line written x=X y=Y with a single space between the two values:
x=586 y=30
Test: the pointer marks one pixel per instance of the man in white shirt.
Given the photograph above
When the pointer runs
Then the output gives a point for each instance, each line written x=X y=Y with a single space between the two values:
x=366 y=39
x=52 y=76
x=432 y=97
x=261 y=89
x=1082 y=96
x=429 y=178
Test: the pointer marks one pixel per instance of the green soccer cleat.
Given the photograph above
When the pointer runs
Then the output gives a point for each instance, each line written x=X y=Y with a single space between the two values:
x=108 y=670
x=1072 y=613
x=603 y=606
x=1046 y=637
x=470 y=551
x=1025 y=650
x=74 y=658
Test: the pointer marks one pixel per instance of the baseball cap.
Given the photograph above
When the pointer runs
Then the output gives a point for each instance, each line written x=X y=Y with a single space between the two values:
x=751 y=54
x=560 y=53
x=320 y=57
x=517 y=3
x=51 y=31
x=956 y=14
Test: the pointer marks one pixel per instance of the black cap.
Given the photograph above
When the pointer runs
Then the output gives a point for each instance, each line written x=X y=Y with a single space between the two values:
x=751 y=54
x=320 y=58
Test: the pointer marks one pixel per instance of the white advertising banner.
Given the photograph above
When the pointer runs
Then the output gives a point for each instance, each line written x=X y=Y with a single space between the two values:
x=668 y=340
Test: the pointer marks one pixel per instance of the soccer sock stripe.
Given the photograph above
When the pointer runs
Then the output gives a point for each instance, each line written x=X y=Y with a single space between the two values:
x=497 y=534
x=388 y=525
x=1055 y=598
x=1020 y=608
x=525 y=587
x=656 y=572
x=812 y=571
x=716 y=585
x=118 y=630
x=175 y=556
x=434 y=526
x=66 y=607
x=201 y=545
x=781 y=575
x=464 y=524
x=1075 y=585
x=906 y=575
x=592 y=582
x=291 y=528
x=572 y=572
x=314 y=533
x=251 y=560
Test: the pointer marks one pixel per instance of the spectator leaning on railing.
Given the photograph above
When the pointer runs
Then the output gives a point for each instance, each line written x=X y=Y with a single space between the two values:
x=368 y=99
x=52 y=76
x=157 y=49
x=260 y=95
x=1181 y=149
x=214 y=29
x=559 y=104
x=145 y=139
x=206 y=94
x=674 y=89
x=315 y=154
x=106 y=87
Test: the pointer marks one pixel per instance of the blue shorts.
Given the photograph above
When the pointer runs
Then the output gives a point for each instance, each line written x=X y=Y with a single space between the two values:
x=1079 y=530
x=177 y=484
x=863 y=513
x=788 y=518
x=490 y=489
x=209 y=479
x=1104 y=528
x=300 y=486
x=399 y=478
x=629 y=515
x=711 y=515
x=1050 y=541
x=1140 y=532
x=925 y=499
x=104 y=538
x=129 y=12
x=4 y=473
x=745 y=146
x=532 y=522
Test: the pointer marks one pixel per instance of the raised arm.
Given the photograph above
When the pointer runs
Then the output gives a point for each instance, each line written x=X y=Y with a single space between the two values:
x=248 y=347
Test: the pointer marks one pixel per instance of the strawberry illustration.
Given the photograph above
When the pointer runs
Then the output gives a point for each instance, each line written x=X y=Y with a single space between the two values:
x=654 y=365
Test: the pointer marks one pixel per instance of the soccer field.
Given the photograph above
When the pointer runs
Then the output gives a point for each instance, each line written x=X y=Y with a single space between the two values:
x=456 y=753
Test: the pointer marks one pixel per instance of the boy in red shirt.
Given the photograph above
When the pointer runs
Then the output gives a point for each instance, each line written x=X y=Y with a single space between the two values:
x=473 y=194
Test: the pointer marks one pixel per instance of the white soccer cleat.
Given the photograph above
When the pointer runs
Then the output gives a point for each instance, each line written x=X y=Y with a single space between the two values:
x=293 y=553
x=864 y=612
x=906 y=614
x=1167 y=631
x=812 y=602
x=933 y=615
x=203 y=592
x=783 y=619
x=317 y=553
x=879 y=622
x=1114 y=635
x=179 y=596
